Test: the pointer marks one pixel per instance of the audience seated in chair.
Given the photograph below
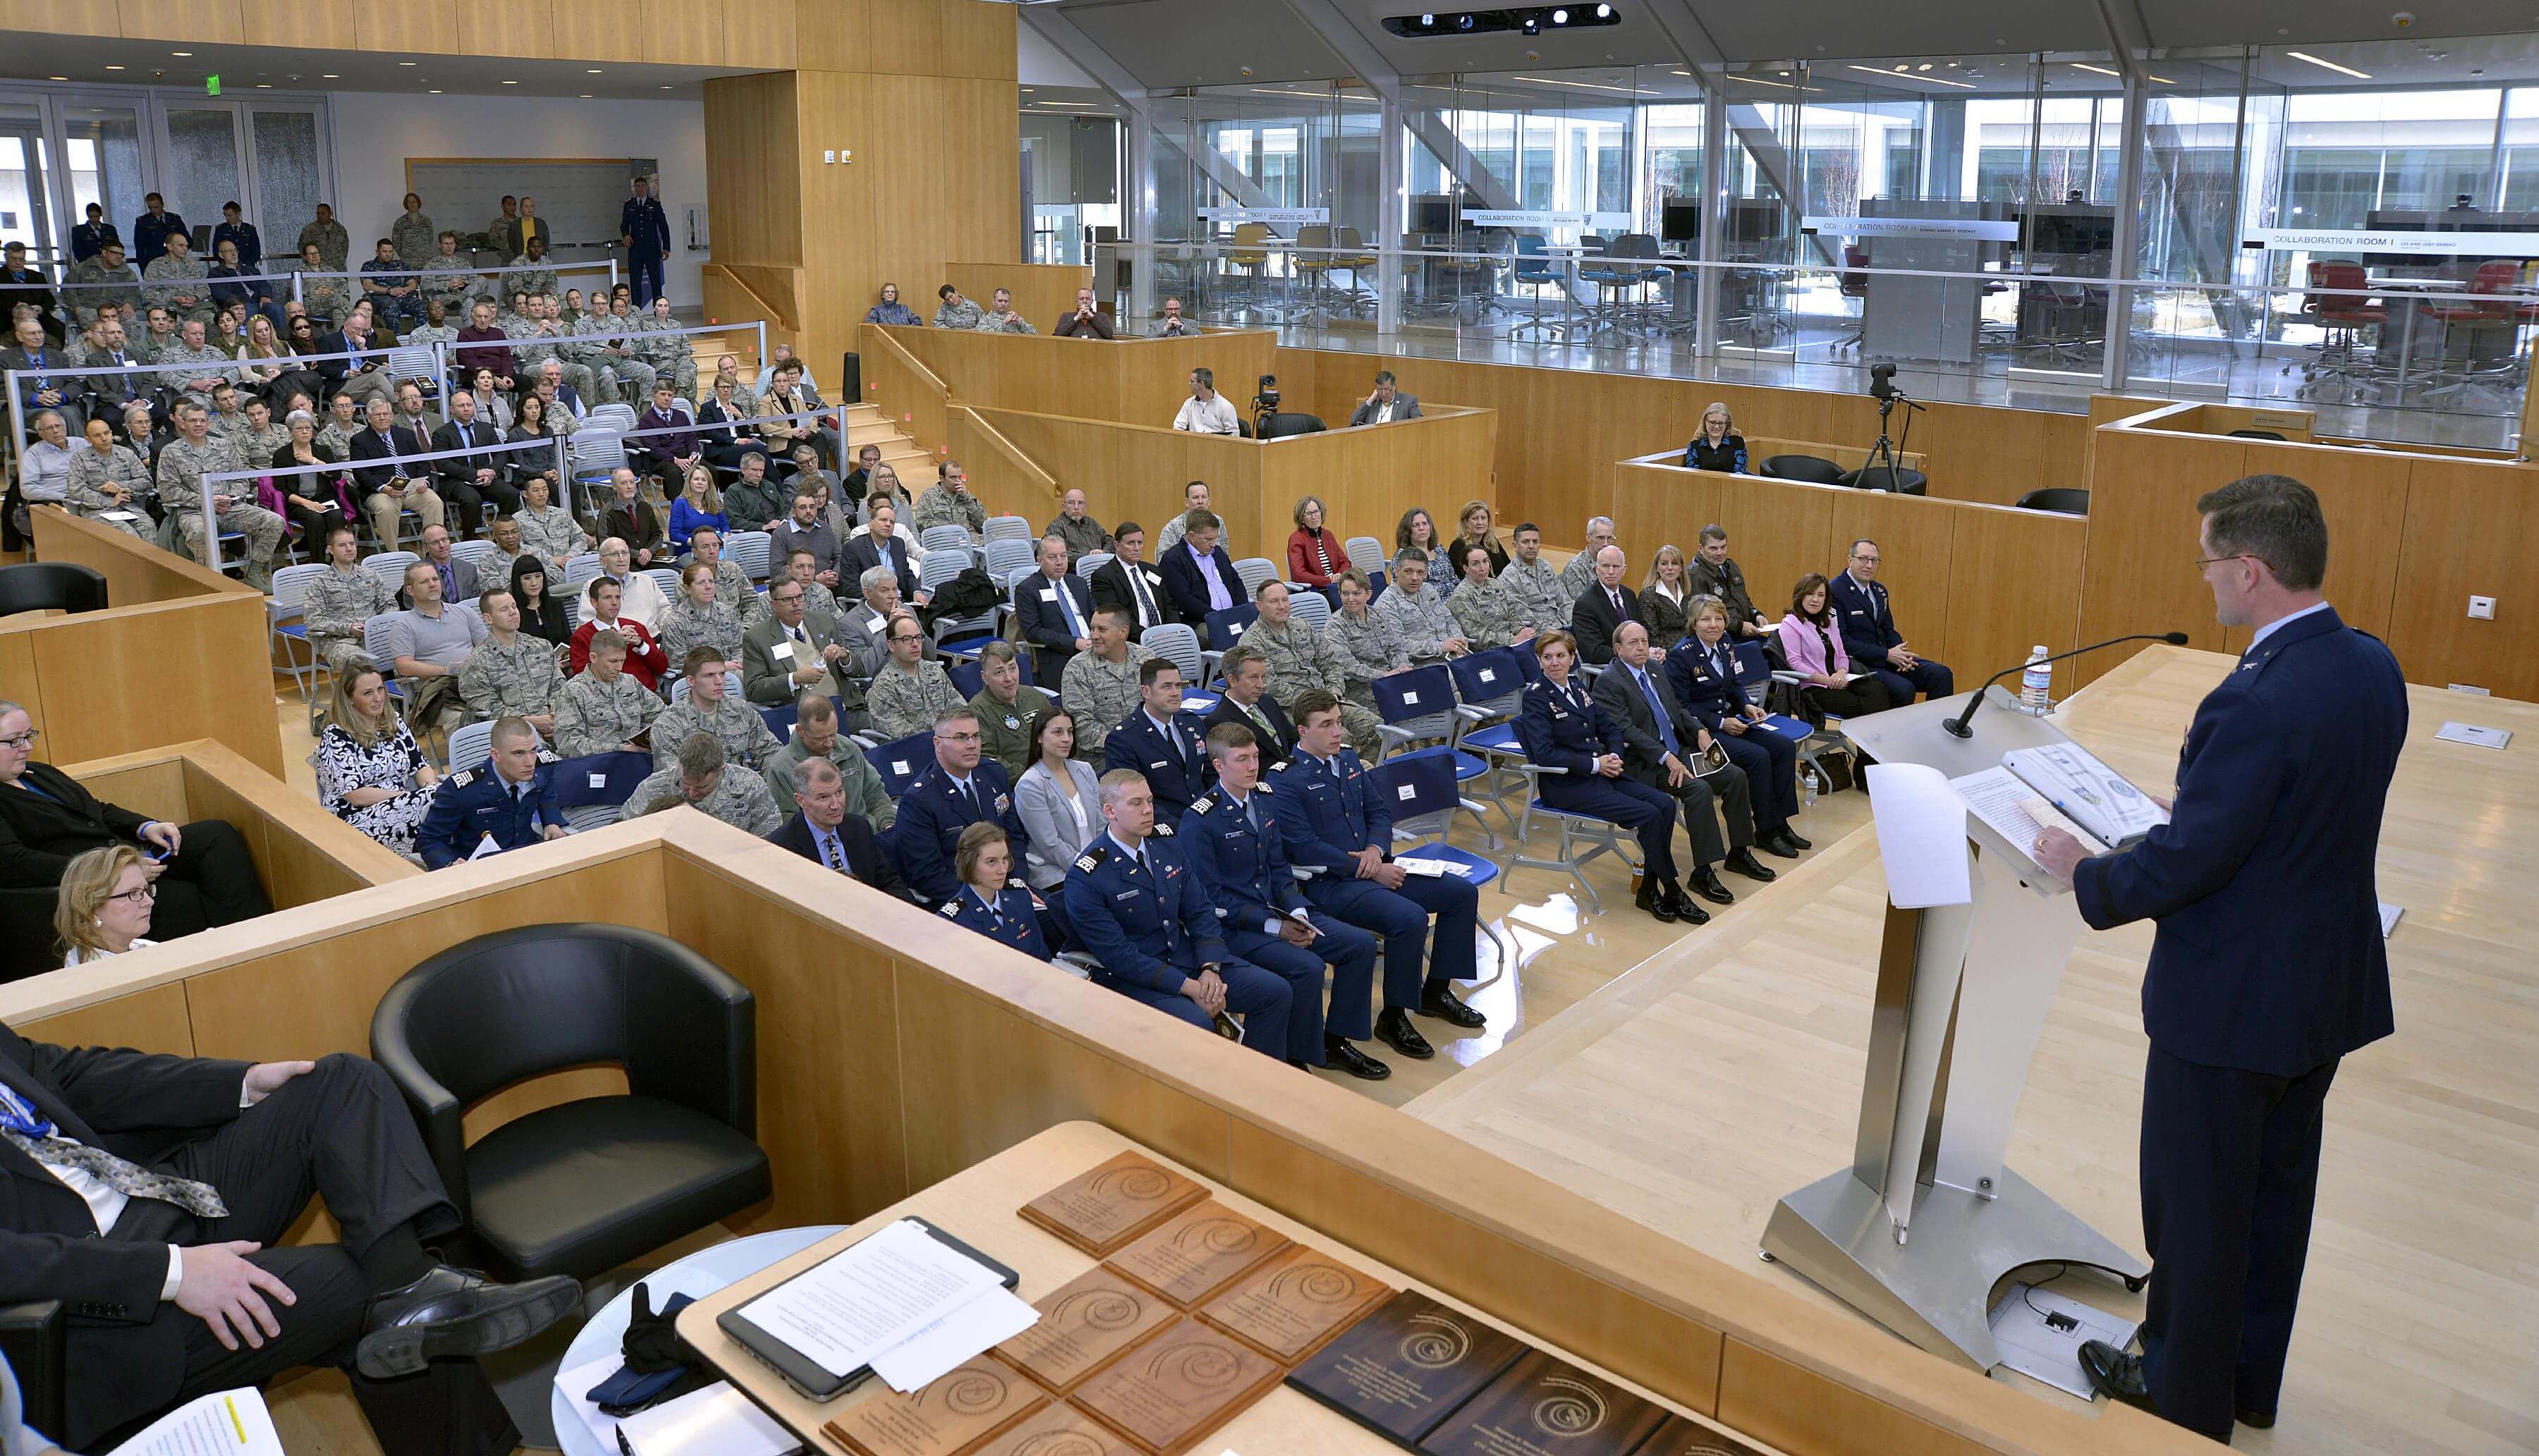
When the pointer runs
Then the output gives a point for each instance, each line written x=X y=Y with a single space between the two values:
x=703 y=780
x=104 y=904
x=1703 y=674
x=1811 y=643
x=1315 y=556
x=1871 y=636
x=994 y=900
x=824 y=831
x=371 y=772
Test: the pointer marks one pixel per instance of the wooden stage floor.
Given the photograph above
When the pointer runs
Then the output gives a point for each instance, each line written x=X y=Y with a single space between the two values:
x=1725 y=1070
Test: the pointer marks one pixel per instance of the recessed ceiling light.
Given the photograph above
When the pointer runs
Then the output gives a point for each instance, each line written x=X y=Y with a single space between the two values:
x=436 y=91
x=585 y=96
x=264 y=85
x=409 y=63
x=665 y=87
x=1926 y=65
x=114 y=68
x=510 y=83
x=180 y=53
x=57 y=78
x=593 y=71
x=2330 y=65
x=328 y=76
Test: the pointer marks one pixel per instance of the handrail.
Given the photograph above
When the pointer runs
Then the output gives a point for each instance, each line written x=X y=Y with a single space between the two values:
x=724 y=271
x=924 y=374
x=1013 y=453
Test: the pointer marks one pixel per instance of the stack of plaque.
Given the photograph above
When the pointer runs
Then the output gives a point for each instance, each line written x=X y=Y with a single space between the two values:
x=1106 y=1208
x=1197 y=1254
x=1085 y=1324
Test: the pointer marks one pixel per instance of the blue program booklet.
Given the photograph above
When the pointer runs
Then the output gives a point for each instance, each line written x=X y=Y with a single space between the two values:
x=1787 y=726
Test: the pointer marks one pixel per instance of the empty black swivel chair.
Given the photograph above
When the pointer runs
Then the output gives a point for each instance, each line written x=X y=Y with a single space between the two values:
x=1898 y=480
x=583 y=1187
x=1281 y=426
x=1816 y=470
x=51 y=586
x=2068 y=499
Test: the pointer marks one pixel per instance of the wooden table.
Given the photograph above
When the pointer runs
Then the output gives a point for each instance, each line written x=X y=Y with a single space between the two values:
x=977 y=1205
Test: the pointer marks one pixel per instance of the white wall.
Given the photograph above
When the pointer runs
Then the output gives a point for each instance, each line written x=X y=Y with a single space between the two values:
x=375 y=132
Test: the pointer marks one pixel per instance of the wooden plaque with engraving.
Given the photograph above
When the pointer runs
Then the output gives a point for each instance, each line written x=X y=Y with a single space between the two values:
x=1106 y=1208
x=1291 y=1304
x=1177 y=1387
x=1058 y=1430
x=949 y=1417
x=1084 y=1325
x=1404 y=1368
x=1682 y=1437
x=1198 y=1253
x=1544 y=1406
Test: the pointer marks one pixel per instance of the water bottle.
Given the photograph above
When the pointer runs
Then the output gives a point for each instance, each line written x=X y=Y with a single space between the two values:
x=2037 y=682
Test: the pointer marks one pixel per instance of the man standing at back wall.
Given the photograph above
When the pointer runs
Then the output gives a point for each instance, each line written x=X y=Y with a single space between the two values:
x=646 y=231
x=2268 y=965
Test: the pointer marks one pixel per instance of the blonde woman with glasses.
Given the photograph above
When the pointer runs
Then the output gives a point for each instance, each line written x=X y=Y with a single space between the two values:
x=107 y=899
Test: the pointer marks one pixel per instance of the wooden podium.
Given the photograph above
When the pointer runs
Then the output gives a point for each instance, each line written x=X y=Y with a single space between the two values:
x=1926 y=1219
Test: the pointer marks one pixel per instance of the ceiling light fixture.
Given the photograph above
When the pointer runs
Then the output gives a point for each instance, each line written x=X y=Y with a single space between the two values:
x=2099 y=70
x=114 y=68
x=436 y=91
x=409 y=63
x=594 y=70
x=510 y=83
x=1583 y=85
x=57 y=78
x=2300 y=56
x=1925 y=79
x=181 y=54
x=1759 y=81
x=328 y=76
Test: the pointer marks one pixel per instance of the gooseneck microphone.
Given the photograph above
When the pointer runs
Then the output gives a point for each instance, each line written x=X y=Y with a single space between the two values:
x=1957 y=724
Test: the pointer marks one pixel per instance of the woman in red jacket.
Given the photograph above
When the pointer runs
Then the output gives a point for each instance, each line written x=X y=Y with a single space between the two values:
x=1315 y=556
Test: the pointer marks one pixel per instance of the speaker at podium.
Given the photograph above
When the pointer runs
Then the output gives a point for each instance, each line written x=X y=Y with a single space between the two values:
x=1929 y=1217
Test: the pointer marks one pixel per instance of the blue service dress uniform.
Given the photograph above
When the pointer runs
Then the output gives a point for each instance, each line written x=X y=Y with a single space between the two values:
x=1869 y=630
x=1325 y=814
x=1704 y=680
x=476 y=803
x=1175 y=762
x=646 y=228
x=1014 y=917
x=1564 y=728
x=931 y=815
x=2267 y=968
x=1243 y=871
x=1149 y=927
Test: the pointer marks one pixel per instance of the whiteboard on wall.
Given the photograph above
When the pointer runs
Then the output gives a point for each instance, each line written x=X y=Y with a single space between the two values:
x=580 y=200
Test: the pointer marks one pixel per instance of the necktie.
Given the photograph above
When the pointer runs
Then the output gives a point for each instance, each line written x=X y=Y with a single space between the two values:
x=796 y=633
x=978 y=805
x=1067 y=599
x=837 y=860
x=1145 y=603
x=1666 y=728
x=35 y=1137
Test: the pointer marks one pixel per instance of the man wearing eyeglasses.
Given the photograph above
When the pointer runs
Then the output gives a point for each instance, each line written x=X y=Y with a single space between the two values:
x=1870 y=635
x=205 y=876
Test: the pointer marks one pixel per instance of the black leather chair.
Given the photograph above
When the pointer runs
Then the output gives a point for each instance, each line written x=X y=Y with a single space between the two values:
x=1813 y=469
x=51 y=586
x=580 y=1188
x=1897 y=479
x=34 y=1338
x=1283 y=426
x=2254 y=435
x=27 y=946
x=2068 y=499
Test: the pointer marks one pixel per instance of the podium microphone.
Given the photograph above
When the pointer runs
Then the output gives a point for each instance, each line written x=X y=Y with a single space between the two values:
x=1957 y=724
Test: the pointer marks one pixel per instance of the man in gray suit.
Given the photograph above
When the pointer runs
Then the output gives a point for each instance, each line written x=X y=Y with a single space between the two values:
x=793 y=651
x=1385 y=405
x=1660 y=742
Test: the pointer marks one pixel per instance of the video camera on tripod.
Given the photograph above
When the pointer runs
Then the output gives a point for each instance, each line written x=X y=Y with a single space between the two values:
x=1886 y=470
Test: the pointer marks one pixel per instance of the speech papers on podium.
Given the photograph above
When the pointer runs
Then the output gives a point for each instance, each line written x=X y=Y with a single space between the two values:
x=2087 y=791
x=1922 y=835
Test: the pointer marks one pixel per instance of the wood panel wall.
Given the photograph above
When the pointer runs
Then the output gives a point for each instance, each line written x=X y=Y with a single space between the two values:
x=179 y=653
x=1044 y=293
x=1974 y=585
x=1130 y=381
x=895 y=1049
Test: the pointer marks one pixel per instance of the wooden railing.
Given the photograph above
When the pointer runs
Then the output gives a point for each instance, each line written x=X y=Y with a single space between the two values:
x=908 y=392
x=999 y=472
x=776 y=316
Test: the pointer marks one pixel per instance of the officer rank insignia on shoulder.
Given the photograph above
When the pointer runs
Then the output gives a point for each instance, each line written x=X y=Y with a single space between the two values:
x=549 y=756
x=1202 y=804
x=951 y=910
x=1260 y=788
x=1164 y=829
x=1090 y=859
x=1279 y=768
x=463 y=778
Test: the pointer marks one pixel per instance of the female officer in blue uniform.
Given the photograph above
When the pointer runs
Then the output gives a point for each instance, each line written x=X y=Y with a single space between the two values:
x=1702 y=670
x=991 y=902
x=1561 y=727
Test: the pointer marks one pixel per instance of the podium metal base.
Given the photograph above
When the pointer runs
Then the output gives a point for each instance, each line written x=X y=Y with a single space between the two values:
x=1935 y=1289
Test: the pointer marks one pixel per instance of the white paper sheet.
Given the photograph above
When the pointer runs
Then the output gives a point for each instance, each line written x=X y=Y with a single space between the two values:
x=716 y=1421
x=867 y=1298
x=990 y=1320
x=226 y=1422
x=2016 y=812
x=1921 y=833
x=581 y=1379
x=2475 y=736
x=2389 y=914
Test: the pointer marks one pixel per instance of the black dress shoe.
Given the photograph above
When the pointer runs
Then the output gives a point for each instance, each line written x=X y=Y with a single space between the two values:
x=1704 y=882
x=2115 y=1374
x=1685 y=908
x=1341 y=1053
x=1654 y=899
x=1745 y=863
x=1778 y=844
x=456 y=1312
x=1440 y=1003
x=1393 y=1027
x=2253 y=1420
x=1790 y=836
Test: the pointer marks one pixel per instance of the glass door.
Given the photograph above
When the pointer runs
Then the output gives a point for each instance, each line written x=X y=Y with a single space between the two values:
x=26 y=203
x=202 y=170
x=103 y=165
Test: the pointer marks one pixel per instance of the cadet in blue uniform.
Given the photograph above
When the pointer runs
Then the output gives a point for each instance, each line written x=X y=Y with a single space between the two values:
x=511 y=800
x=1136 y=906
x=991 y=902
x=1162 y=743
x=2267 y=965
x=1869 y=632
x=963 y=788
x=1231 y=839
x=1703 y=671
x=1330 y=827
x=646 y=231
x=1561 y=727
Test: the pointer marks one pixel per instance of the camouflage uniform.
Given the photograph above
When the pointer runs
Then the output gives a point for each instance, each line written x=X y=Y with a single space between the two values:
x=540 y=279
x=1489 y=613
x=739 y=798
x=687 y=625
x=1370 y=648
x=551 y=533
x=1301 y=660
x=669 y=353
x=1006 y=323
x=736 y=725
x=962 y=315
x=454 y=281
x=92 y=285
x=417 y=241
x=329 y=299
x=941 y=505
x=628 y=373
x=1542 y=596
x=903 y=702
x=1101 y=694
x=1004 y=729
x=521 y=680
x=592 y=717
x=182 y=468
x=215 y=365
x=1575 y=578
x=165 y=280
x=334 y=244
x=85 y=493
x=1420 y=621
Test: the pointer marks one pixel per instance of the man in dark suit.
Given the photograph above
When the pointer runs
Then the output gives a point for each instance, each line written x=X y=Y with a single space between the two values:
x=879 y=544
x=47 y=819
x=1161 y=742
x=823 y=832
x=1128 y=580
x=361 y=378
x=146 y=1193
x=384 y=483
x=2267 y=966
x=1054 y=611
x=21 y=284
x=1246 y=702
x=1660 y=740
x=467 y=482
x=1602 y=608
x=1868 y=635
x=1384 y=403
x=457 y=575
x=1199 y=577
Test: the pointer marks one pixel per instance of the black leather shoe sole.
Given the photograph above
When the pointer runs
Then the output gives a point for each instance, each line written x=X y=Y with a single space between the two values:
x=1343 y=1057
x=2115 y=1374
x=1444 y=1007
x=2254 y=1419
x=1395 y=1031
x=505 y=1316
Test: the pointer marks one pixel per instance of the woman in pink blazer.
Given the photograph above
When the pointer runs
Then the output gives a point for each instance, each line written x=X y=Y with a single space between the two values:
x=1811 y=640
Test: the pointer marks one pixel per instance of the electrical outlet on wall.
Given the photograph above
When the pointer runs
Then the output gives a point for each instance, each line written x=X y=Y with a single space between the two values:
x=2482 y=608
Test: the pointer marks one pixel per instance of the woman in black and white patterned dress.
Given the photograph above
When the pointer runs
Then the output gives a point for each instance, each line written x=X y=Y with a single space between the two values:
x=371 y=772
